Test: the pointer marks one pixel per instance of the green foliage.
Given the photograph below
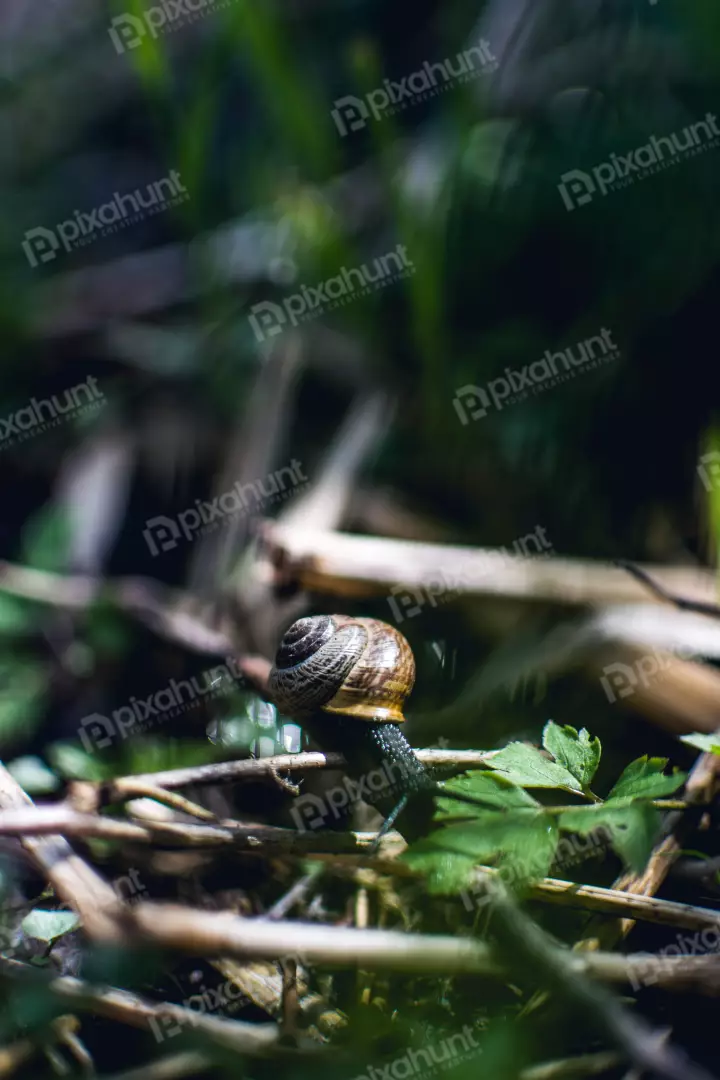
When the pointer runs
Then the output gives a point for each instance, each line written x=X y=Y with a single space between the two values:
x=495 y=789
x=73 y=762
x=22 y=697
x=33 y=775
x=49 y=925
x=16 y=616
x=577 y=751
x=633 y=829
x=645 y=779
x=709 y=744
x=506 y=826
x=526 y=765
x=46 y=539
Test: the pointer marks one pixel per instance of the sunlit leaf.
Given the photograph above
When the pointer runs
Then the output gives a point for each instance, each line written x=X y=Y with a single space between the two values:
x=49 y=925
x=633 y=828
x=709 y=744
x=446 y=872
x=33 y=775
x=645 y=779
x=578 y=751
x=495 y=789
x=522 y=843
x=527 y=766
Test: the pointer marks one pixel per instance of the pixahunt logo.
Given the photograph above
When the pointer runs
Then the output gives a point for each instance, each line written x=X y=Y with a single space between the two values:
x=620 y=680
x=128 y=31
x=709 y=470
x=45 y=413
x=475 y=402
x=98 y=731
x=310 y=811
x=407 y=601
x=164 y=533
x=353 y=113
x=226 y=998
x=429 y=1061
x=42 y=245
x=268 y=319
x=577 y=188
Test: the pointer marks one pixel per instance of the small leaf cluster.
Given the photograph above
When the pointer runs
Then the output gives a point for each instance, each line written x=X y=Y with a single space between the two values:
x=507 y=827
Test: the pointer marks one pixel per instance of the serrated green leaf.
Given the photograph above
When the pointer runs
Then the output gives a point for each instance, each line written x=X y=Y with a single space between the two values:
x=49 y=925
x=495 y=789
x=447 y=873
x=577 y=751
x=521 y=843
x=633 y=828
x=709 y=744
x=645 y=779
x=525 y=765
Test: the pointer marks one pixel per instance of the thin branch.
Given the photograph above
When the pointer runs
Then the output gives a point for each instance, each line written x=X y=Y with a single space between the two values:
x=268 y=839
x=261 y=839
x=702 y=786
x=584 y=1065
x=87 y=797
x=177 y=1066
x=258 y=768
x=527 y=948
x=339 y=564
x=77 y=883
x=223 y=934
x=663 y=594
x=622 y=904
x=256 y=1040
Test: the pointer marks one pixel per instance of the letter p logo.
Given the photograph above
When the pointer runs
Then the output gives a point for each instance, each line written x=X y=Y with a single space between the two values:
x=126 y=32
x=576 y=188
x=165 y=530
x=618 y=681
x=40 y=245
x=709 y=470
x=267 y=320
x=471 y=403
x=96 y=732
x=350 y=114
x=308 y=812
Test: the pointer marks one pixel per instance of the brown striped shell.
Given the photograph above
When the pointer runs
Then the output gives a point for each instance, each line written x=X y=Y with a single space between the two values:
x=360 y=668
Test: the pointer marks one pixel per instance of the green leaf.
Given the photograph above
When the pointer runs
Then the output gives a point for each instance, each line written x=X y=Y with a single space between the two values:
x=33 y=775
x=16 y=615
x=447 y=873
x=633 y=828
x=75 y=763
x=521 y=843
x=578 y=752
x=49 y=925
x=22 y=692
x=46 y=539
x=495 y=789
x=645 y=779
x=708 y=743
x=527 y=766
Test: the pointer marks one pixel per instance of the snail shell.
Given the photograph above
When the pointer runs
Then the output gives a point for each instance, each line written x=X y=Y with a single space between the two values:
x=360 y=668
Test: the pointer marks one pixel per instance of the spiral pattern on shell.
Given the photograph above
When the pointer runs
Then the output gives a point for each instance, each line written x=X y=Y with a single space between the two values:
x=360 y=668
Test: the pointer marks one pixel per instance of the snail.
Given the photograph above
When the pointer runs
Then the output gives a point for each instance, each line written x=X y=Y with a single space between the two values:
x=346 y=679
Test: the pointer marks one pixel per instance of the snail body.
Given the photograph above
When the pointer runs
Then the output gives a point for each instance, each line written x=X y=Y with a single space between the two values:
x=346 y=679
